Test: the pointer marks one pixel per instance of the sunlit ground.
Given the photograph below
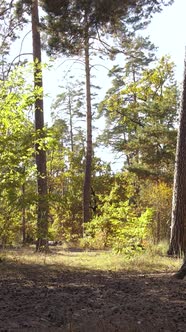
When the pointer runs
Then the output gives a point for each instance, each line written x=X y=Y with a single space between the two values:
x=152 y=260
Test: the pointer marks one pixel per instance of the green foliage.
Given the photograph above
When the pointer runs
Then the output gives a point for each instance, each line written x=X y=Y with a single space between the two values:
x=10 y=227
x=133 y=215
x=141 y=115
x=65 y=178
x=66 y=214
x=65 y=23
x=119 y=226
x=140 y=110
x=17 y=168
x=158 y=196
x=135 y=235
x=128 y=212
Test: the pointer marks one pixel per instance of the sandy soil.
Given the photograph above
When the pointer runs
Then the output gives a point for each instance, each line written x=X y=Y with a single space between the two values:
x=41 y=298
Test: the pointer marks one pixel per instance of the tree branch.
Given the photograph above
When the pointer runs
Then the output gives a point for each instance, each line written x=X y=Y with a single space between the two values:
x=3 y=12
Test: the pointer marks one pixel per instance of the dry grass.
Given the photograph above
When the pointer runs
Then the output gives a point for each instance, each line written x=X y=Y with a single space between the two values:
x=150 y=261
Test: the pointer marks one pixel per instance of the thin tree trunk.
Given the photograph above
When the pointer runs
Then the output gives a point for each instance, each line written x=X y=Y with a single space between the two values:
x=42 y=208
x=23 y=216
x=88 y=166
x=158 y=234
x=178 y=224
x=71 y=124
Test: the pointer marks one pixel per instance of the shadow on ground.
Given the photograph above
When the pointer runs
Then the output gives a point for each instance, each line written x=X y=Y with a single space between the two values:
x=49 y=298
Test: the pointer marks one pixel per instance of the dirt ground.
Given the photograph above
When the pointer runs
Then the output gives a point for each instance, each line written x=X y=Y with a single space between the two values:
x=42 y=298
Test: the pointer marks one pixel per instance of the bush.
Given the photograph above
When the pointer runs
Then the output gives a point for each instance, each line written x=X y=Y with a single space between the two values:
x=118 y=228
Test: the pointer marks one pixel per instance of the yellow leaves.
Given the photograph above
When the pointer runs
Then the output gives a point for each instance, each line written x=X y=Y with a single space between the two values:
x=132 y=89
x=159 y=196
x=113 y=102
x=156 y=80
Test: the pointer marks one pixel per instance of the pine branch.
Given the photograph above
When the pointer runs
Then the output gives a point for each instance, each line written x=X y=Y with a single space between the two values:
x=5 y=10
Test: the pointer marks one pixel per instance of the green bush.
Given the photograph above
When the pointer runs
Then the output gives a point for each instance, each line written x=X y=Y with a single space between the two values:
x=118 y=228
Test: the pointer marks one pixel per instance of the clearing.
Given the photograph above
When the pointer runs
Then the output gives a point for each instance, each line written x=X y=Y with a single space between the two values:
x=94 y=291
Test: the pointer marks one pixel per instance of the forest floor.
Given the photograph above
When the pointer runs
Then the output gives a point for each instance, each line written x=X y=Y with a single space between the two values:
x=76 y=291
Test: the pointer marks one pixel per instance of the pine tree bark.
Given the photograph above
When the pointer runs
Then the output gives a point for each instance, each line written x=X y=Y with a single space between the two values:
x=88 y=161
x=178 y=224
x=42 y=207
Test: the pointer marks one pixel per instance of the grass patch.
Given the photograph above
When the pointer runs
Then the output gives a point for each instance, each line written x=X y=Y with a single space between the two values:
x=150 y=261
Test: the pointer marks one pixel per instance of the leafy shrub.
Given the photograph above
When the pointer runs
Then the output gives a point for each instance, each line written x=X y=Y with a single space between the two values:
x=159 y=197
x=118 y=228
x=133 y=235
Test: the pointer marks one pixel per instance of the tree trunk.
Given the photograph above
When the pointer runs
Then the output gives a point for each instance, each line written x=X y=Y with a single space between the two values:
x=88 y=165
x=42 y=207
x=178 y=224
x=71 y=124
x=158 y=234
x=23 y=216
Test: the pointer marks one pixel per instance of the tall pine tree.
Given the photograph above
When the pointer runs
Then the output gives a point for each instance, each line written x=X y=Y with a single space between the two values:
x=73 y=26
x=42 y=209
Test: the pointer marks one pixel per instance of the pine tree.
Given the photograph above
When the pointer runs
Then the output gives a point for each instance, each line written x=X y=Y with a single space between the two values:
x=72 y=27
x=24 y=10
x=42 y=214
x=178 y=235
x=69 y=105
x=141 y=112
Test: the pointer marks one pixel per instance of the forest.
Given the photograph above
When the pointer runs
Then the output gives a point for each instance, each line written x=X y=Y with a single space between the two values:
x=54 y=169
x=59 y=197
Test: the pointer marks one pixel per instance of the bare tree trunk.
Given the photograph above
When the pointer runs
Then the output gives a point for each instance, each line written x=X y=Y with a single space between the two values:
x=23 y=216
x=178 y=224
x=71 y=124
x=88 y=166
x=42 y=208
